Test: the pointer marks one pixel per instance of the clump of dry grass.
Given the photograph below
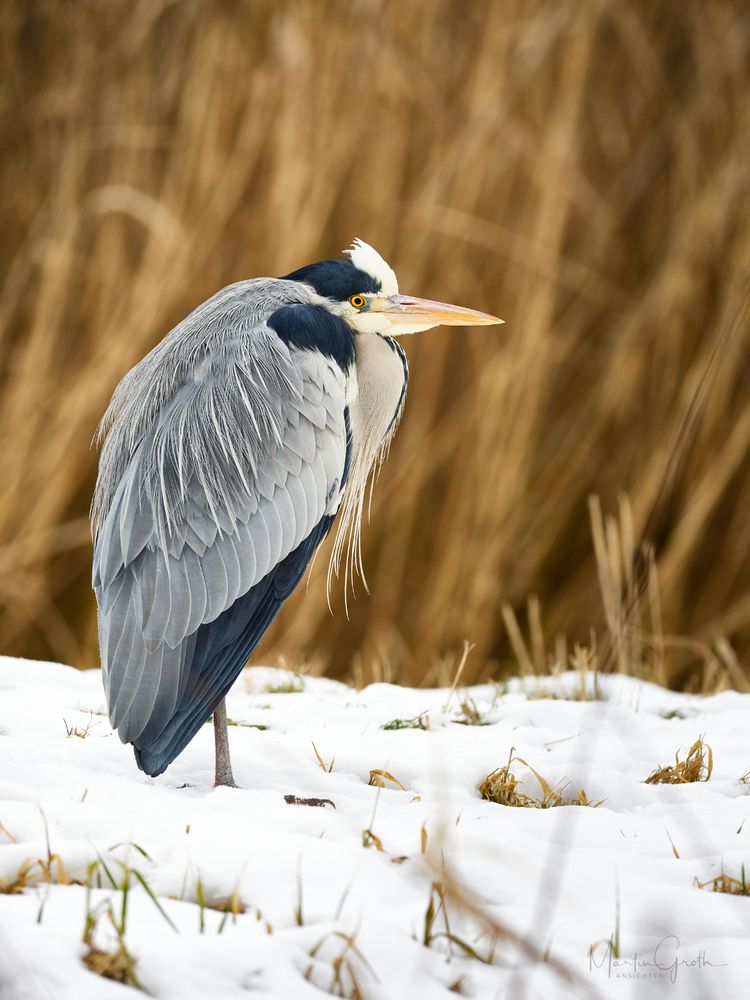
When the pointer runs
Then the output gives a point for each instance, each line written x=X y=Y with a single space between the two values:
x=584 y=661
x=697 y=765
x=501 y=787
x=80 y=731
x=116 y=963
x=437 y=907
x=292 y=683
x=508 y=173
x=243 y=725
x=35 y=871
x=231 y=906
x=726 y=883
x=421 y=721
x=347 y=966
x=485 y=931
x=32 y=872
x=469 y=713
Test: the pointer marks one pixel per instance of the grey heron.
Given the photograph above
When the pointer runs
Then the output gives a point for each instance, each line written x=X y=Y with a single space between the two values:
x=228 y=452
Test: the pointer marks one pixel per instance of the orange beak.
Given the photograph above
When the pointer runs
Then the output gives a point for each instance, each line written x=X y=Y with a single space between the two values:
x=407 y=310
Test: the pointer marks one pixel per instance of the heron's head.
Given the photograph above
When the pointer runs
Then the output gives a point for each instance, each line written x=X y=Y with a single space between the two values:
x=363 y=289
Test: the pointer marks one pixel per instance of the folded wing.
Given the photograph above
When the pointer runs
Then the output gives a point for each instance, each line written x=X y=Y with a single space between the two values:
x=221 y=506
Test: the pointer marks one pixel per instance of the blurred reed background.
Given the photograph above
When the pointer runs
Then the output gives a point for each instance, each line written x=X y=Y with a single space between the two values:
x=580 y=169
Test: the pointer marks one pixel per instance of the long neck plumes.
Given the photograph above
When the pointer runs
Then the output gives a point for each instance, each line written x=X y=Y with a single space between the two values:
x=379 y=380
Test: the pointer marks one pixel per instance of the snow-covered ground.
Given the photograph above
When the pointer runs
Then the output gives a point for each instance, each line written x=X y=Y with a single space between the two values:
x=316 y=886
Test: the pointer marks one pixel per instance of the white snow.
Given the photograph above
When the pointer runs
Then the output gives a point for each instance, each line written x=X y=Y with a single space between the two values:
x=564 y=878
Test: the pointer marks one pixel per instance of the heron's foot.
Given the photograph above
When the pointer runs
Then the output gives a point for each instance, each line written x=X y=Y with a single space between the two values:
x=295 y=800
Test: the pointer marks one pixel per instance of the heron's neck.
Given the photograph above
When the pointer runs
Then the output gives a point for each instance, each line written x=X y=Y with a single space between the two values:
x=376 y=397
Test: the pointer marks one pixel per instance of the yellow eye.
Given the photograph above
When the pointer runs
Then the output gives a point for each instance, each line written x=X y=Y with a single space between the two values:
x=358 y=301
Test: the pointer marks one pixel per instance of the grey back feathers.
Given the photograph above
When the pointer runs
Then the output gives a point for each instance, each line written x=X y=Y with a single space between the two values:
x=224 y=449
x=224 y=369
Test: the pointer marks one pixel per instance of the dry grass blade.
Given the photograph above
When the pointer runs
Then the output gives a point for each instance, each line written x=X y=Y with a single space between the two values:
x=369 y=839
x=325 y=767
x=696 y=766
x=582 y=799
x=467 y=648
x=6 y=832
x=550 y=796
x=379 y=777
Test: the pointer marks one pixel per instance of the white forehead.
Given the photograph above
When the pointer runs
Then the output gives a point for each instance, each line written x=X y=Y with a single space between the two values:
x=367 y=258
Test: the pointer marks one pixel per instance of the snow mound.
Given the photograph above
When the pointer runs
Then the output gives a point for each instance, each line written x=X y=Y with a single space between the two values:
x=413 y=885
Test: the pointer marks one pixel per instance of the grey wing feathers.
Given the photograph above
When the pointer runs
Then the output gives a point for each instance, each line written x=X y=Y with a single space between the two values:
x=190 y=526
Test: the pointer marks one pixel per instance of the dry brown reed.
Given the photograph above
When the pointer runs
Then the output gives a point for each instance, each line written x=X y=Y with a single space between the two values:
x=579 y=169
x=697 y=765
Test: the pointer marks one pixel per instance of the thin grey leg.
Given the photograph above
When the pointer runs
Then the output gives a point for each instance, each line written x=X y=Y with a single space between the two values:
x=224 y=774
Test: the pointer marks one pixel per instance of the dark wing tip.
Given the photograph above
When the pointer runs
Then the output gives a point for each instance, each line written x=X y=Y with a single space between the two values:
x=151 y=762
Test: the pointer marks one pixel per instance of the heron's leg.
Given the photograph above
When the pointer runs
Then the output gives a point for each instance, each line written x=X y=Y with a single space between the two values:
x=224 y=774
